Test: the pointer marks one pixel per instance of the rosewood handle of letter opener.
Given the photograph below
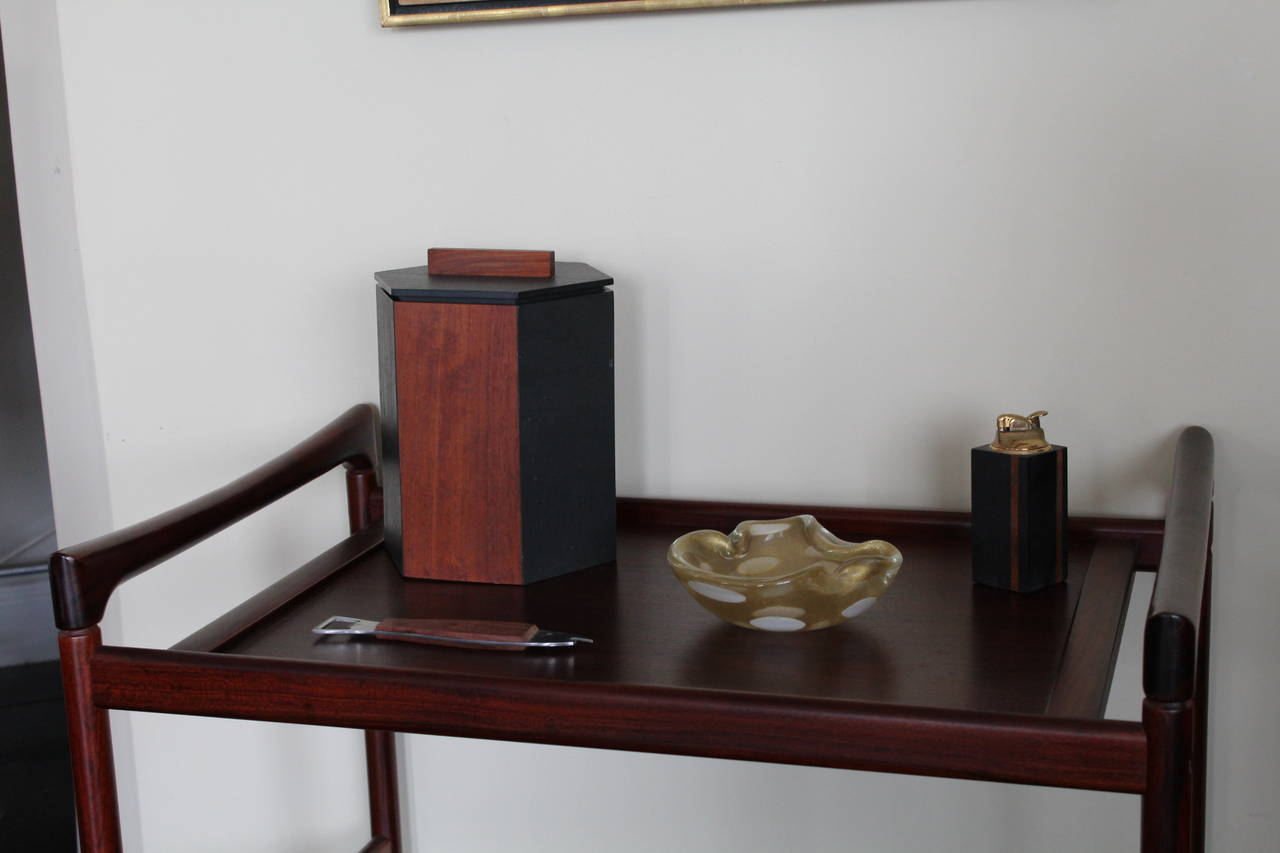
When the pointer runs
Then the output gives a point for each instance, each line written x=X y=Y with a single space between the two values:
x=467 y=631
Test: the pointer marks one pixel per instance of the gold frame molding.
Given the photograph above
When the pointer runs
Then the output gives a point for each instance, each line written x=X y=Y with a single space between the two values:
x=557 y=10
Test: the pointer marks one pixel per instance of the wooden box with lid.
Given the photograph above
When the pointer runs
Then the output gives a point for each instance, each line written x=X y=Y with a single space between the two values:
x=498 y=417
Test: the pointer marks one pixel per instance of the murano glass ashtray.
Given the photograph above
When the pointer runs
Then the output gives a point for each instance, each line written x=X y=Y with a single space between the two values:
x=788 y=574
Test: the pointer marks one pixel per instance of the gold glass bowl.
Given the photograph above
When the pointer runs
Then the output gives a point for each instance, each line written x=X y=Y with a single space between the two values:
x=788 y=574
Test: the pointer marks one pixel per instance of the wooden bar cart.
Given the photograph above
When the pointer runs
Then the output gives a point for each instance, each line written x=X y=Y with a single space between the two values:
x=943 y=678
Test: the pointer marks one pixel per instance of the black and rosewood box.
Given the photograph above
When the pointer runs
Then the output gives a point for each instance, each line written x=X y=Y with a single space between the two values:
x=1019 y=518
x=497 y=405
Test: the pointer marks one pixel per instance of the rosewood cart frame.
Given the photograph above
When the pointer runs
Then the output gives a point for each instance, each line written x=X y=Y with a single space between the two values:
x=228 y=669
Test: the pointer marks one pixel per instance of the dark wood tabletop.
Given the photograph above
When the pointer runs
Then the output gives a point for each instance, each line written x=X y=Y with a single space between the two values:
x=935 y=639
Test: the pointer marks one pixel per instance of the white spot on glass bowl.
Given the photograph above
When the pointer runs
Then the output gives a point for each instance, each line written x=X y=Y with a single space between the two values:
x=777 y=623
x=768 y=528
x=717 y=593
x=758 y=565
x=857 y=607
x=790 y=612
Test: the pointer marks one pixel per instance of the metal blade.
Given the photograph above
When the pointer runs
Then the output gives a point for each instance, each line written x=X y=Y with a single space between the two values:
x=552 y=639
x=345 y=625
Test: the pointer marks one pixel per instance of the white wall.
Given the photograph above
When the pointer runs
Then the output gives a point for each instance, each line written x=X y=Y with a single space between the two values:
x=844 y=236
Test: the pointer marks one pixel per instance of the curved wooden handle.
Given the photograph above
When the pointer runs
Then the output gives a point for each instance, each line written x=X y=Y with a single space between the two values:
x=84 y=576
x=459 y=632
x=1172 y=638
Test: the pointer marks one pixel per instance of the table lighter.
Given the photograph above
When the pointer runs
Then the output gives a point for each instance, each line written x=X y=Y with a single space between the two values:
x=1019 y=484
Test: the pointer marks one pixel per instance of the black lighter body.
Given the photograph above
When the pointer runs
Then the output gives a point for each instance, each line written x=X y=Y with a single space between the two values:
x=1019 y=498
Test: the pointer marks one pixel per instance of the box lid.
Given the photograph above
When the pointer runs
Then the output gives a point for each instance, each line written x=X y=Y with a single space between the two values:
x=413 y=284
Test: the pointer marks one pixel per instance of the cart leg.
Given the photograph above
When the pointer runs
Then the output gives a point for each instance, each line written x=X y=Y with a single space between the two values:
x=364 y=498
x=1166 y=804
x=363 y=509
x=1200 y=721
x=384 y=790
x=89 y=729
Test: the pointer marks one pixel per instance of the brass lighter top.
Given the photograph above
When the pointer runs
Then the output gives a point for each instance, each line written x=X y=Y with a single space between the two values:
x=1019 y=434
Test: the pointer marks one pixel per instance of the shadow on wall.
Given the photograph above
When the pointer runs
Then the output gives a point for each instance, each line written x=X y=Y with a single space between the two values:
x=36 y=811
x=26 y=508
